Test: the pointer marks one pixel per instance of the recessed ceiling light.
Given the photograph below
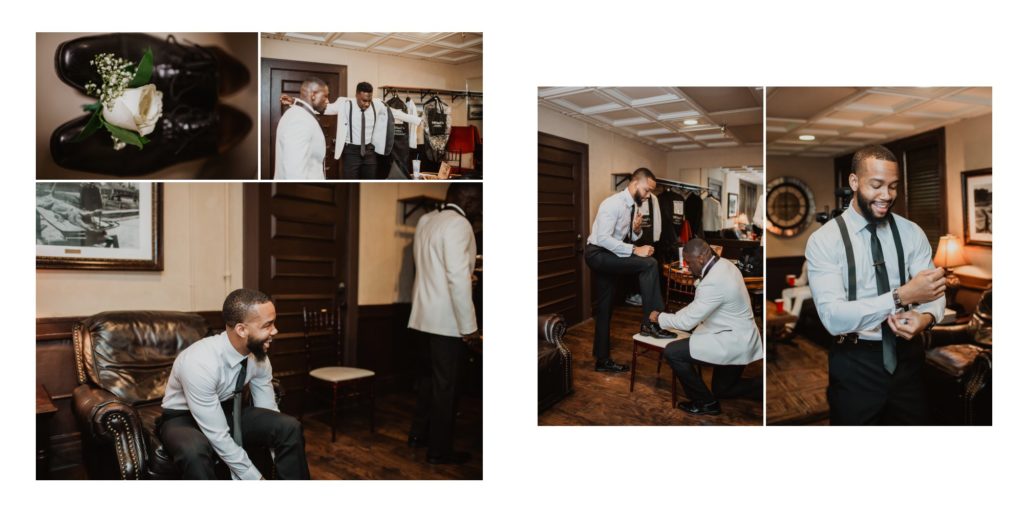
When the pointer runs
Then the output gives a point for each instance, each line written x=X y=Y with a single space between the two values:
x=690 y=122
x=807 y=137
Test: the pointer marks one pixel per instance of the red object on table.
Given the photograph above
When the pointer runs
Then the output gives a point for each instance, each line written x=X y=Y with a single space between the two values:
x=778 y=306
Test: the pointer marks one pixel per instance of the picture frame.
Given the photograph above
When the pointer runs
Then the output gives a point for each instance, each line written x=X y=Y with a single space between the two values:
x=976 y=195
x=475 y=112
x=733 y=205
x=99 y=226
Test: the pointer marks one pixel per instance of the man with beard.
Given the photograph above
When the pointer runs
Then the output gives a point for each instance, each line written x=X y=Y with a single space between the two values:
x=203 y=416
x=724 y=333
x=301 y=146
x=874 y=285
x=611 y=253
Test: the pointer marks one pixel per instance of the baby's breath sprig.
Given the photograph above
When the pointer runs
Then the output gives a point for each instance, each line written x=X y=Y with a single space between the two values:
x=116 y=73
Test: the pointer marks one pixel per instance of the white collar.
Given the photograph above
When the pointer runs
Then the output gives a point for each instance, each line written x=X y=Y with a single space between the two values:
x=704 y=271
x=453 y=205
x=309 y=108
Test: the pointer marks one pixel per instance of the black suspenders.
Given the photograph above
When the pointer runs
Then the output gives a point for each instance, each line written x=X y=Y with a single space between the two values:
x=351 y=107
x=851 y=265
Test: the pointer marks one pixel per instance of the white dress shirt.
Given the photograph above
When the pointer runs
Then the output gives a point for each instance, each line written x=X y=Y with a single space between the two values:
x=301 y=146
x=613 y=222
x=444 y=252
x=827 y=274
x=202 y=377
x=378 y=137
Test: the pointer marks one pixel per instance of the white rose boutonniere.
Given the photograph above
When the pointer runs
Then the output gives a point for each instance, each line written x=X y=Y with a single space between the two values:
x=128 y=107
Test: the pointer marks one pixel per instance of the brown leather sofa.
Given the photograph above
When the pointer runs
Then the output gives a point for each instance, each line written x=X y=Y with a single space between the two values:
x=959 y=370
x=554 y=362
x=123 y=360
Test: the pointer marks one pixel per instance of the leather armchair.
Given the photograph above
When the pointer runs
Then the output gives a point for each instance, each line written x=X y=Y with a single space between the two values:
x=123 y=360
x=959 y=369
x=554 y=362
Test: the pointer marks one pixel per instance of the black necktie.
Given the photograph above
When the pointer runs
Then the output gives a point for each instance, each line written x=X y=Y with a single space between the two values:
x=362 y=142
x=882 y=282
x=236 y=419
x=629 y=227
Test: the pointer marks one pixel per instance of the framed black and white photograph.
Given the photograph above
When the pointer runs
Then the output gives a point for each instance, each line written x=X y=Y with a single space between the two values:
x=99 y=225
x=733 y=210
x=476 y=111
x=976 y=187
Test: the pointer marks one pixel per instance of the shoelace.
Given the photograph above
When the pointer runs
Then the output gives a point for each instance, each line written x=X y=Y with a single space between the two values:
x=185 y=123
x=199 y=62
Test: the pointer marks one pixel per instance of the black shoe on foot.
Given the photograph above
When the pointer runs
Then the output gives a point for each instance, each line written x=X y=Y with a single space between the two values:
x=712 y=408
x=451 y=458
x=609 y=366
x=417 y=441
x=655 y=331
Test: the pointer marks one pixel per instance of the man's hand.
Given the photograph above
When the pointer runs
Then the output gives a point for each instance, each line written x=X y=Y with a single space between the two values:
x=287 y=100
x=926 y=286
x=643 y=251
x=471 y=338
x=654 y=316
x=908 y=324
x=638 y=219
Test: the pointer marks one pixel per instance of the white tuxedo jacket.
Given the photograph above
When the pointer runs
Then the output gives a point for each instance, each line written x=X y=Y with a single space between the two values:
x=444 y=251
x=301 y=146
x=725 y=330
x=378 y=138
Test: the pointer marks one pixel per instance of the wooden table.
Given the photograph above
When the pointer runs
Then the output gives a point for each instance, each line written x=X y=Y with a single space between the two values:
x=775 y=326
x=44 y=411
x=682 y=282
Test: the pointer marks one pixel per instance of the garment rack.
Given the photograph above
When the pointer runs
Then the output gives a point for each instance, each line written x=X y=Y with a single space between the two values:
x=426 y=92
x=623 y=177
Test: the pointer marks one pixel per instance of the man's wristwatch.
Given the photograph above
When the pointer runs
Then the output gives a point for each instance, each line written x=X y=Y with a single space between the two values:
x=896 y=299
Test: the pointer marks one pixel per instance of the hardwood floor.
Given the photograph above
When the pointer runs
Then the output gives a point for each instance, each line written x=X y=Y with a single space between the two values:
x=604 y=399
x=383 y=455
x=797 y=381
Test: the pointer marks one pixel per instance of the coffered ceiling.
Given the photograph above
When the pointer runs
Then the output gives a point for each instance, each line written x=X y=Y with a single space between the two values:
x=446 y=47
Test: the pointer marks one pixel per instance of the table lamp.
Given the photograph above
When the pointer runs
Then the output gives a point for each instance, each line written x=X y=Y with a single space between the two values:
x=950 y=253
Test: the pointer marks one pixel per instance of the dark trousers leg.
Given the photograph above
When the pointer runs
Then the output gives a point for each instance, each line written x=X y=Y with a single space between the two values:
x=678 y=356
x=188 y=447
x=358 y=167
x=727 y=382
x=445 y=356
x=607 y=267
x=283 y=434
x=907 y=404
x=424 y=388
x=857 y=385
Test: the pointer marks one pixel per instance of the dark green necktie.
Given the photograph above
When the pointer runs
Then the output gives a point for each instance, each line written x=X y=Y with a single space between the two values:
x=882 y=282
x=236 y=428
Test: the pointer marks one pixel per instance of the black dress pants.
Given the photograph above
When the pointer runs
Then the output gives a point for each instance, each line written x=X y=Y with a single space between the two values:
x=607 y=267
x=262 y=428
x=358 y=167
x=725 y=379
x=437 y=393
x=861 y=392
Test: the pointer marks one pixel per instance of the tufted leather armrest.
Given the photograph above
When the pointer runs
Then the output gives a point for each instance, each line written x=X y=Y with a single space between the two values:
x=108 y=418
x=551 y=328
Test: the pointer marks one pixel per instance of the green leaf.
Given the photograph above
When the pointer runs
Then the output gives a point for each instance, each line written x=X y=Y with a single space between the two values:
x=126 y=136
x=144 y=71
x=93 y=107
x=94 y=124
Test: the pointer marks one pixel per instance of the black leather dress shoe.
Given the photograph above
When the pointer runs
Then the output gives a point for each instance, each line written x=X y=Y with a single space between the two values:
x=655 y=331
x=451 y=458
x=186 y=73
x=712 y=408
x=609 y=366
x=182 y=134
x=417 y=441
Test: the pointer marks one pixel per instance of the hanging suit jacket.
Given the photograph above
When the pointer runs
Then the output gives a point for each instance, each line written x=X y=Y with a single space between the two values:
x=694 y=209
x=723 y=325
x=712 y=214
x=672 y=215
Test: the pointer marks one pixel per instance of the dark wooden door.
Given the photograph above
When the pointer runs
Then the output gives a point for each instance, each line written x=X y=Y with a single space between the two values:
x=286 y=76
x=301 y=248
x=562 y=228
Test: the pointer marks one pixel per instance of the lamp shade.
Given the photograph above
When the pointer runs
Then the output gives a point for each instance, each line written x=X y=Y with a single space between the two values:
x=742 y=219
x=950 y=252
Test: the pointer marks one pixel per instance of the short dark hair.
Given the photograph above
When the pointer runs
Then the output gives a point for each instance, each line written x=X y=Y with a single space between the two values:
x=239 y=303
x=876 y=151
x=459 y=192
x=642 y=172
x=313 y=80
x=364 y=87
x=696 y=246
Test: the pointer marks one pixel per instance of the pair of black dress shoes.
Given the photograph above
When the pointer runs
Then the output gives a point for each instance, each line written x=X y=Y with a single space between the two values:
x=650 y=329
x=451 y=458
x=192 y=78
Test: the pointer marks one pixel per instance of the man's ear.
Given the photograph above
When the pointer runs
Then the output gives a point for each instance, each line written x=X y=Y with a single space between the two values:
x=854 y=181
x=241 y=330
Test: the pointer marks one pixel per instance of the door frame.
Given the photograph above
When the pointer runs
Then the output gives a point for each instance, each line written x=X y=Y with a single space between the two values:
x=251 y=256
x=266 y=64
x=582 y=213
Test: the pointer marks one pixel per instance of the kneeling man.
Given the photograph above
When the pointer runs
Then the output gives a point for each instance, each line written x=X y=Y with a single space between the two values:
x=203 y=418
x=724 y=332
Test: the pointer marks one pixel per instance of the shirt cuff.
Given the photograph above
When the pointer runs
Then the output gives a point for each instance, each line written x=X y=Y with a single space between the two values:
x=251 y=474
